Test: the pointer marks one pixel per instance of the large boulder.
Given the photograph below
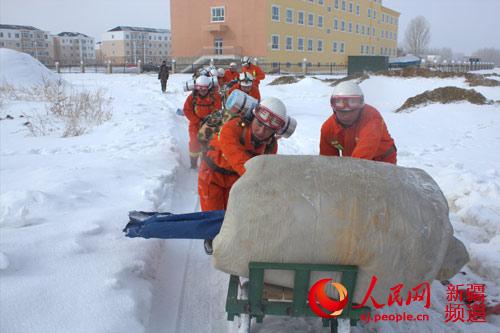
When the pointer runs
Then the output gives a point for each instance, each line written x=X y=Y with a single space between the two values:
x=390 y=221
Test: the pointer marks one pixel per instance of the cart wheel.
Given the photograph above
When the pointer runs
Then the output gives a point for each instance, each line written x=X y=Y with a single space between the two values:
x=344 y=326
x=245 y=320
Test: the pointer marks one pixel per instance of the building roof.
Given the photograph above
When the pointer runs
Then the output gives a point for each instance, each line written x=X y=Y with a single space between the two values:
x=18 y=27
x=138 y=29
x=72 y=34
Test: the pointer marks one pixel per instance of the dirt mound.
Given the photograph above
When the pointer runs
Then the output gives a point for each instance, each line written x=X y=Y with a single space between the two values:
x=420 y=72
x=288 y=79
x=479 y=80
x=445 y=95
x=472 y=79
x=359 y=77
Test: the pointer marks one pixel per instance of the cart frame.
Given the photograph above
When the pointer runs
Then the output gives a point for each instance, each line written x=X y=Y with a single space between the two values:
x=258 y=307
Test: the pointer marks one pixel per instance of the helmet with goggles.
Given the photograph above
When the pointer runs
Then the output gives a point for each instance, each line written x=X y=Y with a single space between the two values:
x=245 y=61
x=203 y=82
x=271 y=112
x=347 y=96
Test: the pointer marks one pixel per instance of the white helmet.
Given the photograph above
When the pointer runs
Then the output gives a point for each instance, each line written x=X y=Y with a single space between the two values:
x=347 y=96
x=214 y=72
x=203 y=81
x=246 y=79
x=245 y=61
x=272 y=113
x=221 y=72
x=203 y=71
x=232 y=65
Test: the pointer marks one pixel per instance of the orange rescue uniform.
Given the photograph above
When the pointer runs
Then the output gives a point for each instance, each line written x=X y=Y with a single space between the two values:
x=224 y=162
x=254 y=92
x=196 y=109
x=230 y=76
x=257 y=73
x=367 y=138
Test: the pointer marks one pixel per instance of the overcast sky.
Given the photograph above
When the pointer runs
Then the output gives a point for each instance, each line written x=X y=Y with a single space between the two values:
x=462 y=25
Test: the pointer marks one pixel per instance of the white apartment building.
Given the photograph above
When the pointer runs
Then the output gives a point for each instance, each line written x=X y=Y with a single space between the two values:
x=72 y=48
x=29 y=40
x=128 y=45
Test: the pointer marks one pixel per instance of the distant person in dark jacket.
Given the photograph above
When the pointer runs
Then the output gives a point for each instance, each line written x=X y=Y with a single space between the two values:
x=163 y=76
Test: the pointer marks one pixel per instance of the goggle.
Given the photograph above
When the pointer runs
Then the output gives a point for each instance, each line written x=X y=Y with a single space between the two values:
x=246 y=83
x=200 y=87
x=346 y=103
x=267 y=118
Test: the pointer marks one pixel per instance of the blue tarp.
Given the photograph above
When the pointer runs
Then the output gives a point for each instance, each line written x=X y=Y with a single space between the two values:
x=203 y=225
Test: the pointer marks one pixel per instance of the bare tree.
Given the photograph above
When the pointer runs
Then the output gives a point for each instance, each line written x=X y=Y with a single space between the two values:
x=488 y=54
x=418 y=35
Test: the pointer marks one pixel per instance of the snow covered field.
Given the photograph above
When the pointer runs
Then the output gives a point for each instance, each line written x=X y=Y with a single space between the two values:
x=65 y=265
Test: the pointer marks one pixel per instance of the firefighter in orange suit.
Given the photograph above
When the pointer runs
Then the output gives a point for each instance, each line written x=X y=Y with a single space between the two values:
x=247 y=85
x=355 y=129
x=238 y=141
x=200 y=103
x=257 y=73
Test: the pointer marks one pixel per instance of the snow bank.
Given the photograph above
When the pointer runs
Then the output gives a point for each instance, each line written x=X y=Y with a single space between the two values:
x=22 y=70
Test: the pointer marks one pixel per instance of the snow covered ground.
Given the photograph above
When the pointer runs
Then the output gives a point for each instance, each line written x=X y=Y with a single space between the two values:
x=65 y=265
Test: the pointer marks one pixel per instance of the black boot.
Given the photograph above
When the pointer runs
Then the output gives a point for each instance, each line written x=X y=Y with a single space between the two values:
x=194 y=162
x=207 y=244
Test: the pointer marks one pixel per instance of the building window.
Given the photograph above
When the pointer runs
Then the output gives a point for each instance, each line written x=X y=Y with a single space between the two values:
x=320 y=21
x=217 y=14
x=342 y=47
x=336 y=4
x=357 y=28
x=300 y=19
x=350 y=27
x=335 y=24
x=373 y=49
x=357 y=10
x=309 y=45
x=369 y=12
x=17 y=35
x=342 y=25
x=334 y=47
x=275 y=42
x=275 y=10
x=343 y=5
x=374 y=14
x=310 y=20
x=320 y=45
x=289 y=15
x=373 y=31
x=363 y=48
x=1 y=35
x=289 y=43
x=218 y=45
x=321 y=2
x=300 y=44
x=350 y=7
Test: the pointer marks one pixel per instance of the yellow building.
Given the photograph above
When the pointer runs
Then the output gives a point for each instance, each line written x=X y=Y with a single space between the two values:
x=321 y=31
